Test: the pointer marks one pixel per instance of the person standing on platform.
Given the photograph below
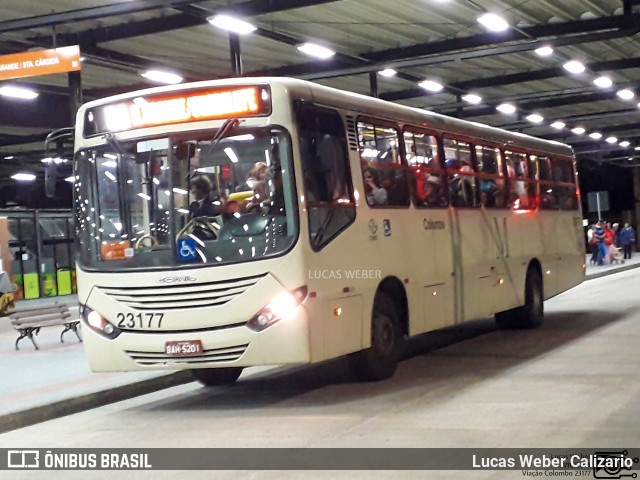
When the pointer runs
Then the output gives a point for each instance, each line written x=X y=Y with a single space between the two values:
x=627 y=239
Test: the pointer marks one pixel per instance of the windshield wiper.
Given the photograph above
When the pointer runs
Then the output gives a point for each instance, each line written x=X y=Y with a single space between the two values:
x=114 y=143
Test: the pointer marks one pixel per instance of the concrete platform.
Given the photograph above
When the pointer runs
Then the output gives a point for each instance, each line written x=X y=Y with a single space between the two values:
x=56 y=380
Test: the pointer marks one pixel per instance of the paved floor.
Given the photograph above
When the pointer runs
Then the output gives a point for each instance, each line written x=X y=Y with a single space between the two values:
x=59 y=371
x=573 y=383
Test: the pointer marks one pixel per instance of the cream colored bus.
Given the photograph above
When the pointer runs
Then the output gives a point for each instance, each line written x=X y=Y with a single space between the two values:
x=271 y=221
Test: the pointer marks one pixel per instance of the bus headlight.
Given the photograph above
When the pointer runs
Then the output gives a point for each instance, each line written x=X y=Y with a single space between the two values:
x=282 y=307
x=98 y=323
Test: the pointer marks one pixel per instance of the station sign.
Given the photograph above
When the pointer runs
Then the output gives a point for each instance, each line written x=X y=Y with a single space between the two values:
x=40 y=62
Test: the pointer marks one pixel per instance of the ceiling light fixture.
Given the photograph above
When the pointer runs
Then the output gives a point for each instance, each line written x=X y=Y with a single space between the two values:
x=472 y=98
x=506 y=108
x=578 y=130
x=431 y=86
x=625 y=94
x=315 y=50
x=558 y=125
x=603 y=82
x=624 y=144
x=596 y=135
x=493 y=22
x=387 y=72
x=18 y=92
x=162 y=77
x=544 y=51
x=232 y=24
x=611 y=139
x=24 y=177
x=574 y=66
x=535 y=118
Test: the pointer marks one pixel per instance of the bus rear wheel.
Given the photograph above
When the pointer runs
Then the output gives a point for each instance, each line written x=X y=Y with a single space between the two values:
x=531 y=314
x=210 y=377
x=379 y=362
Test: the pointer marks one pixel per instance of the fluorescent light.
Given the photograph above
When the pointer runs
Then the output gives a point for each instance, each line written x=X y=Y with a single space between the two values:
x=506 y=108
x=472 y=98
x=612 y=139
x=18 y=92
x=24 y=177
x=574 y=66
x=232 y=24
x=231 y=154
x=624 y=144
x=242 y=138
x=637 y=148
x=625 y=94
x=70 y=179
x=431 y=85
x=10 y=157
x=558 y=125
x=387 y=72
x=316 y=50
x=578 y=130
x=596 y=135
x=493 y=22
x=535 y=118
x=603 y=82
x=162 y=77
x=544 y=51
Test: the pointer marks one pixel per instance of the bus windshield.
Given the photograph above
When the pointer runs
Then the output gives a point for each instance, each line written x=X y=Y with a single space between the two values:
x=206 y=198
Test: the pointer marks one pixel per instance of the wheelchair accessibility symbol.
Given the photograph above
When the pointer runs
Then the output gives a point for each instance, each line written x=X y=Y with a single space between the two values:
x=187 y=249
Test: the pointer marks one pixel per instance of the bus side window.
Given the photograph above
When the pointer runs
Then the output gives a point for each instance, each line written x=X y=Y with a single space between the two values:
x=565 y=184
x=519 y=197
x=383 y=174
x=544 y=185
x=462 y=180
x=426 y=176
x=490 y=179
x=328 y=191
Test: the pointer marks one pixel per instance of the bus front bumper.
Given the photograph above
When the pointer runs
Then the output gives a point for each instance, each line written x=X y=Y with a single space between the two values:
x=284 y=342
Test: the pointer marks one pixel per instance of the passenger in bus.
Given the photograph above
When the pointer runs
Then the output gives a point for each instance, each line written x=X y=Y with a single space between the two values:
x=256 y=174
x=259 y=196
x=433 y=194
x=375 y=193
x=396 y=186
x=202 y=206
x=460 y=184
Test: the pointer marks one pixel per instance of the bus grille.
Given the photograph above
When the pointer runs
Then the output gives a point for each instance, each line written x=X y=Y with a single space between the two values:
x=214 y=355
x=177 y=297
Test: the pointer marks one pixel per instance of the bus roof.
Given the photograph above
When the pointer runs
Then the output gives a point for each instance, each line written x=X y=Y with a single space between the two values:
x=369 y=106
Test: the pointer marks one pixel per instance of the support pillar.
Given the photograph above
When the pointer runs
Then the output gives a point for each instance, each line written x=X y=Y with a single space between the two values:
x=373 y=84
x=236 y=57
x=75 y=94
x=636 y=195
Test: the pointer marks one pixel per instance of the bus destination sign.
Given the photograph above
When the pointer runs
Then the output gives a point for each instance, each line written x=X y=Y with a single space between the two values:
x=189 y=106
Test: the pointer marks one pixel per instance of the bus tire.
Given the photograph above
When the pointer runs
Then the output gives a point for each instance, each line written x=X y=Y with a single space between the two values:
x=379 y=361
x=210 y=377
x=531 y=314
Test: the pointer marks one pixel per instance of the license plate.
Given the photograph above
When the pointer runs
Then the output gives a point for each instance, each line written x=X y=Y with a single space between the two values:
x=184 y=348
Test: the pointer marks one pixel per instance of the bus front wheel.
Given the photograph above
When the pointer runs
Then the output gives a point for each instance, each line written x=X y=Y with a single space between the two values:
x=531 y=314
x=379 y=362
x=210 y=377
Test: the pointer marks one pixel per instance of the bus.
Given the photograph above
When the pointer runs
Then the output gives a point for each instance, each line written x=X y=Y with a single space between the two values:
x=273 y=221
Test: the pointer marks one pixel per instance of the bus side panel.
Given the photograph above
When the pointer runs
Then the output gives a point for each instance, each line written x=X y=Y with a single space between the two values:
x=570 y=251
x=472 y=249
